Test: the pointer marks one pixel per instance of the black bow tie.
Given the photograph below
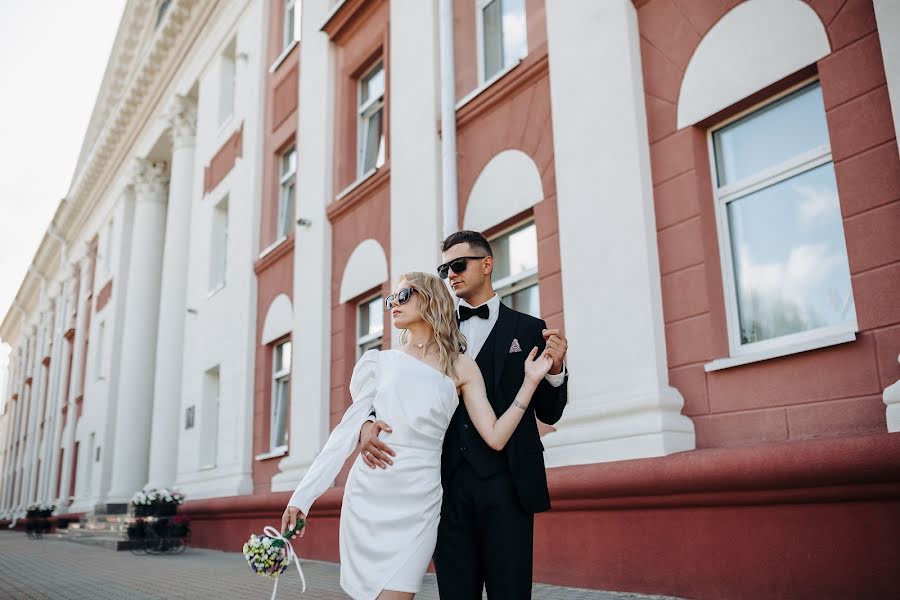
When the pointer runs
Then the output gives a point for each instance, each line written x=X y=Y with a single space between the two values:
x=482 y=312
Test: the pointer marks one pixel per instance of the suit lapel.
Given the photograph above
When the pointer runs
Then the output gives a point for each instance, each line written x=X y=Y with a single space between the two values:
x=505 y=329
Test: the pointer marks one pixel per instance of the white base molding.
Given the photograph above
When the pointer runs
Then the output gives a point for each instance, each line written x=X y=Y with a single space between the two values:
x=606 y=428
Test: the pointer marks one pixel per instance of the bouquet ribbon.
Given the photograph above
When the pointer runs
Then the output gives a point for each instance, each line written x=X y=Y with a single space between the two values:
x=276 y=535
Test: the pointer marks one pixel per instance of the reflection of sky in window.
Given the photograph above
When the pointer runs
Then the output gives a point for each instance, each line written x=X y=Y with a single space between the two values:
x=373 y=85
x=516 y=252
x=283 y=357
x=789 y=255
x=514 y=31
x=370 y=318
x=783 y=130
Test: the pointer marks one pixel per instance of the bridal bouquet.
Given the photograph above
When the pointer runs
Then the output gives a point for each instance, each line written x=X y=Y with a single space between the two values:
x=270 y=554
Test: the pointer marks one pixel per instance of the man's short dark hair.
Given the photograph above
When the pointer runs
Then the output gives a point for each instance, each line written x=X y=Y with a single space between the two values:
x=475 y=240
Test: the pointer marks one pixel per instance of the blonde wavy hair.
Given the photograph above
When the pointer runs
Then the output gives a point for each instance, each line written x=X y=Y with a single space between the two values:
x=437 y=309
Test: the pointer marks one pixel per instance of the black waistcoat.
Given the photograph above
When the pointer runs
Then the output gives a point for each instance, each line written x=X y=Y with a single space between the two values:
x=462 y=441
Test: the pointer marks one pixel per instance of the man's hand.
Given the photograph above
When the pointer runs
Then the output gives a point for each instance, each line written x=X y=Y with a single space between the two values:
x=374 y=451
x=557 y=345
x=289 y=520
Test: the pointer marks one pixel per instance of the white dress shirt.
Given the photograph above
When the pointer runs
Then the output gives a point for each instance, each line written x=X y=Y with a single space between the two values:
x=477 y=331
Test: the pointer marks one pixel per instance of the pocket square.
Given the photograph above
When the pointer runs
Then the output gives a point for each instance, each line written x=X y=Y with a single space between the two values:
x=515 y=346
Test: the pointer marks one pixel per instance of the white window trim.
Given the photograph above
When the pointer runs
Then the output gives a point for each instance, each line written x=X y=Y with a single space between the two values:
x=283 y=179
x=280 y=59
x=214 y=287
x=284 y=24
x=821 y=337
x=364 y=112
x=371 y=337
x=273 y=453
x=277 y=376
x=479 y=46
x=360 y=180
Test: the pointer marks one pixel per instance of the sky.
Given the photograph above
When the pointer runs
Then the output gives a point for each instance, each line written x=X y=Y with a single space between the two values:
x=52 y=57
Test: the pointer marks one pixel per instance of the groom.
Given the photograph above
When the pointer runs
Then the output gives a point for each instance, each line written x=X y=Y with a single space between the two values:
x=485 y=537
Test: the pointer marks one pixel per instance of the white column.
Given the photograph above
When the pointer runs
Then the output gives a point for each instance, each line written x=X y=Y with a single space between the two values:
x=36 y=410
x=59 y=368
x=82 y=304
x=620 y=402
x=887 y=16
x=131 y=438
x=173 y=298
x=415 y=144
x=311 y=368
x=891 y=398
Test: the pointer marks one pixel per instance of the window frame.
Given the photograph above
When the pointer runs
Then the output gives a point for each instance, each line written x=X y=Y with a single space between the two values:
x=215 y=263
x=722 y=197
x=364 y=113
x=285 y=179
x=284 y=375
x=362 y=341
x=292 y=29
x=480 y=5
x=518 y=282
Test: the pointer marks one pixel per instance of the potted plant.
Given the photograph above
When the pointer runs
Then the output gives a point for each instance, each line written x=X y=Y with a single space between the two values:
x=136 y=529
x=180 y=526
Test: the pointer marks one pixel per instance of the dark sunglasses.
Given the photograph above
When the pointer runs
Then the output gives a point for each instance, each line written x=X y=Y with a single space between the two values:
x=402 y=297
x=457 y=264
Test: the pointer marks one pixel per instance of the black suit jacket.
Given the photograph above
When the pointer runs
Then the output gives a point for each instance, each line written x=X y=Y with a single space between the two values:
x=524 y=451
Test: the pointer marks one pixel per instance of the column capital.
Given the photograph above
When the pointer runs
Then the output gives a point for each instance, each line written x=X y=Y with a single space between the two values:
x=149 y=179
x=182 y=118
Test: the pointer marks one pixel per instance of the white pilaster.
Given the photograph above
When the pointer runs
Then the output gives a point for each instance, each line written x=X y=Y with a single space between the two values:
x=59 y=369
x=311 y=369
x=620 y=402
x=131 y=438
x=887 y=16
x=891 y=397
x=415 y=144
x=81 y=302
x=36 y=408
x=173 y=298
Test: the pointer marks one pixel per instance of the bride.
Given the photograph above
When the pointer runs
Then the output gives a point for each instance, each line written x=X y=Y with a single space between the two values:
x=389 y=518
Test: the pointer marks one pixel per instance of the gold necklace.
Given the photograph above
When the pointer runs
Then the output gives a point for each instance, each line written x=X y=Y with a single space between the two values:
x=423 y=344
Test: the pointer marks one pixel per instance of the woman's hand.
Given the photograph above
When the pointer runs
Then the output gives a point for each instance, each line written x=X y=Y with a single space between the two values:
x=537 y=368
x=289 y=520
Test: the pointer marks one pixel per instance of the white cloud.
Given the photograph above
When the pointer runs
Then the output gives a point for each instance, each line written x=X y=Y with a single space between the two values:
x=818 y=202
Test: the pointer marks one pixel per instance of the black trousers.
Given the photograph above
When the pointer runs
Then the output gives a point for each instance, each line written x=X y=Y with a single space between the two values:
x=485 y=539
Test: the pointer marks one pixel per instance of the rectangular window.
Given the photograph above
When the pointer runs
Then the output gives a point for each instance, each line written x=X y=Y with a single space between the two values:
x=281 y=396
x=287 y=189
x=218 y=252
x=209 y=420
x=781 y=235
x=99 y=357
x=516 y=269
x=291 y=25
x=369 y=325
x=227 y=77
x=502 y=36
x=370 y=136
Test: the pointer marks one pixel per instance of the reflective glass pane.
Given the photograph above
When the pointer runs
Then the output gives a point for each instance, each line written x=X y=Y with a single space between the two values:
x=286 y=212
x=289 y=162
x=279 y=413
x=372 y=85
x=790 y=260
x=527 y=301
x=492 y=43
x=515 y=252
x=371 y=318
x=515 y=41
x=770 y=136
x=374 y=142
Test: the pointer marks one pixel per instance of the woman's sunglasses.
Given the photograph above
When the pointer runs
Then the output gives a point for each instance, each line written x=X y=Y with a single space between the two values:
x=402 y=297
x=457 y=264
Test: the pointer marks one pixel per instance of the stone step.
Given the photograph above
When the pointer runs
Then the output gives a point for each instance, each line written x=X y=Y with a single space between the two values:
x=101 y=541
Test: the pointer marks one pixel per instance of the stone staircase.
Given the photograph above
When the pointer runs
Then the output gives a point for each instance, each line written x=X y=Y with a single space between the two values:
x=106 y=530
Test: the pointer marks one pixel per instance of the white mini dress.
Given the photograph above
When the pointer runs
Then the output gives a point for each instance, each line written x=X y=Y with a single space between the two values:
x=389 y=517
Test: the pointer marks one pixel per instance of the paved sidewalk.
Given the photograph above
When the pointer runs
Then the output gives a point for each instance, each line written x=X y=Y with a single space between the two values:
x=53 y=569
